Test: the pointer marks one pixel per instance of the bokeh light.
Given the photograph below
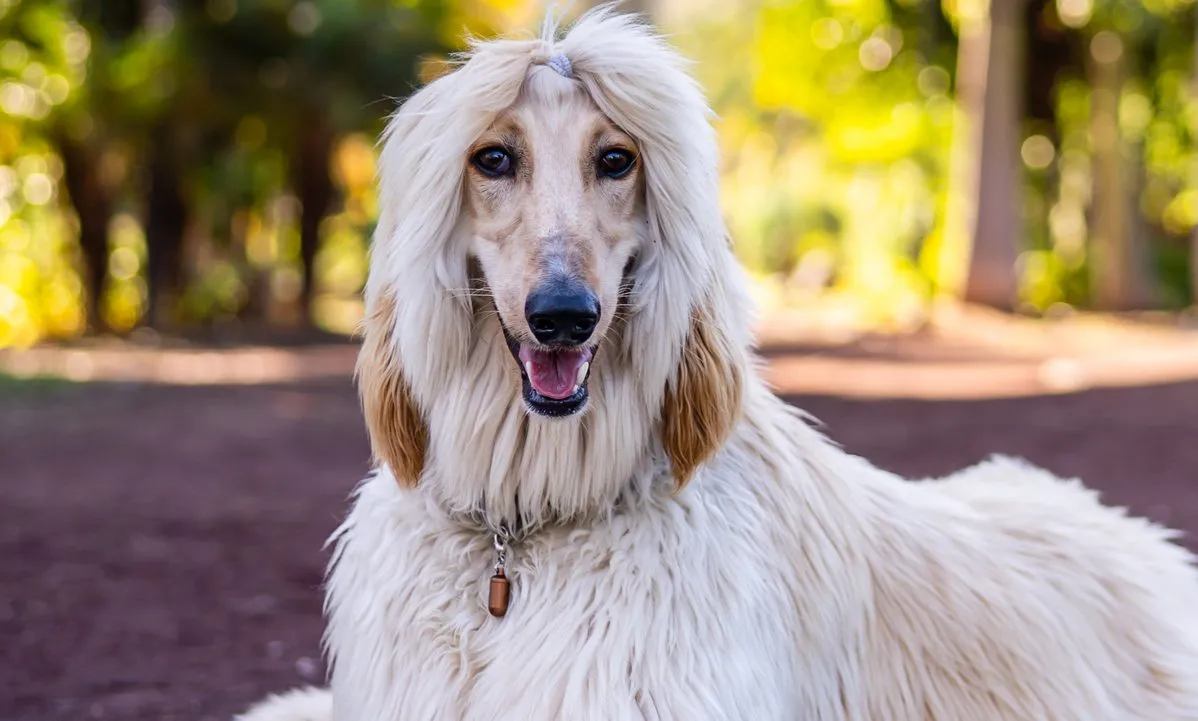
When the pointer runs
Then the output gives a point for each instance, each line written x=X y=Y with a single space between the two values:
x=845 y=127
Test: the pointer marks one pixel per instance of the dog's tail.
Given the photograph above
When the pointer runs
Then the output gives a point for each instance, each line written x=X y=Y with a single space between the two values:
x=303 y=704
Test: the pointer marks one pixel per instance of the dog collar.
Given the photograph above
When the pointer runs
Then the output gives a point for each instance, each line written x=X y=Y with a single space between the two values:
x=500 y=593
x=502 y=538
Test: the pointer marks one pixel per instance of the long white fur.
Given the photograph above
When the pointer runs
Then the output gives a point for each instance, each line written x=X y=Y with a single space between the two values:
x=789 y=580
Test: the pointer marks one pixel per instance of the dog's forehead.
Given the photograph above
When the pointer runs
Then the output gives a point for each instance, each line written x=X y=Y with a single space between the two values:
x=551 y=102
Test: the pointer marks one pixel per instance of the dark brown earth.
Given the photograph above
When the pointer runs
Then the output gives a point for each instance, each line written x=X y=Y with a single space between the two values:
x=160 y=545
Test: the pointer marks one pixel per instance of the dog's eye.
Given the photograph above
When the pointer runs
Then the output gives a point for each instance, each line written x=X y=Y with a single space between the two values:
x=616 y=163
x=493 y=161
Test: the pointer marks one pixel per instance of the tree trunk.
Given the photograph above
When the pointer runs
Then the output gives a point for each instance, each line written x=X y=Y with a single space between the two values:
x=166 y=222
x=93 y=206
x=315 y=189
x=1118 y=261
x=996 y=228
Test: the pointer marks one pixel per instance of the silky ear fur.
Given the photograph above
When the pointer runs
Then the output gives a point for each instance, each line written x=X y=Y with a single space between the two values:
x=703 y=402
x=397 y=429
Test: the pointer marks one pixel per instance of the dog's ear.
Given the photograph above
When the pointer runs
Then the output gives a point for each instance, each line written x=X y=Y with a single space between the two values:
x=398 y=432
x=703 y=401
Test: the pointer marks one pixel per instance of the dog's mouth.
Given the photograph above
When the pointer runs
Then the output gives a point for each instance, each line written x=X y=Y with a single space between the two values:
x=554 y=380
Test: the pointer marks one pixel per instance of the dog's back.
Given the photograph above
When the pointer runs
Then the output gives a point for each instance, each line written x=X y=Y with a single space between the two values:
x=1002 y=592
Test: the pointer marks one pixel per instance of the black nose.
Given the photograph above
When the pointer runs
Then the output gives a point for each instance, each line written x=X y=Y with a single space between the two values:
x=562 y=313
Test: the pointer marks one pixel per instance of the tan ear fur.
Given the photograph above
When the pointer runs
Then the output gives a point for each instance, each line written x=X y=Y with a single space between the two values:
x=397 y=430
x=703 y=403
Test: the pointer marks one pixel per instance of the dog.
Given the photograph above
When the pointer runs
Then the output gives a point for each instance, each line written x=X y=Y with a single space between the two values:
x=587 y=503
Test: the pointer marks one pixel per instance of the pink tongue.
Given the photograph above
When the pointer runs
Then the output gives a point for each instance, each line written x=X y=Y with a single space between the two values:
x=552 y=373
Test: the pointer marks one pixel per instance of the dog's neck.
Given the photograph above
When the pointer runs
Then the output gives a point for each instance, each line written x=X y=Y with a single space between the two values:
x=523 y=522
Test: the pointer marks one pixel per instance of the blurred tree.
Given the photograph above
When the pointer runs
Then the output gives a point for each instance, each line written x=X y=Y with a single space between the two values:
x=990 y=71
x=120 y=118
x=212 y=158
x=1157 y=115
x=47 y=39
x=1132 y=65
x=1119 y=256
x=92 y=203
x=81 y=131
x=168 y=105
x=1100 y=109
x=300 y=67
x=167 y=209
x=834 y=142
x=1194 y=162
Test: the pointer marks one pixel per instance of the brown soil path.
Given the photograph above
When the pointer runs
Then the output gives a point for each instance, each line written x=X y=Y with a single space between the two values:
x=160 y=544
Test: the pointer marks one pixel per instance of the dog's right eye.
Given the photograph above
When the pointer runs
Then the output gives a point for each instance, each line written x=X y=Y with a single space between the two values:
x=493 y=161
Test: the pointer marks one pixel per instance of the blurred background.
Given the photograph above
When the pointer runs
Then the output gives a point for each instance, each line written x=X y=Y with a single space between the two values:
x=971 y=225
x=173 y=165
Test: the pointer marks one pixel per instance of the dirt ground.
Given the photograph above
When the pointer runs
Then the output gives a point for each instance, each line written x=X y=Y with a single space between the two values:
x=160 y=544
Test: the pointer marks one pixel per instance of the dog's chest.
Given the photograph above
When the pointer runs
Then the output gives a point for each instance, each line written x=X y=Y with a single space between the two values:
x=633 y=621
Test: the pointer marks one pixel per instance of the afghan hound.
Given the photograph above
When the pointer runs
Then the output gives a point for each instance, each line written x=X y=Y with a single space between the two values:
x=588 y=505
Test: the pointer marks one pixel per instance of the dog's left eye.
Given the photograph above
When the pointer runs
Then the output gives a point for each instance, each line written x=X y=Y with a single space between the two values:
x=616 y=163
x=493 y=161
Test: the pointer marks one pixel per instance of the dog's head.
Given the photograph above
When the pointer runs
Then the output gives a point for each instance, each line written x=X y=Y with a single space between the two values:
x=550 y=237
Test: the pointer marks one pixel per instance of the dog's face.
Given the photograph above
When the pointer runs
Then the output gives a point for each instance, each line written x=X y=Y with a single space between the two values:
x=554 y=200
x=581 y=214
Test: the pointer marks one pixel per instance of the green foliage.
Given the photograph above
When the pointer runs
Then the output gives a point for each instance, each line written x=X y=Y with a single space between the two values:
x=233 y=85
x=1156 y=125
x=836 y=144
x=836 y=126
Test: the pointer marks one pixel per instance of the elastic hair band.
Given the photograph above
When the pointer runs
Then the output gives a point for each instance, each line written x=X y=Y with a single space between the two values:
x=560 y=64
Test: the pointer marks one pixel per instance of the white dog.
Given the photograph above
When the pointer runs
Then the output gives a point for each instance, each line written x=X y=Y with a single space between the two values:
x=588 y=505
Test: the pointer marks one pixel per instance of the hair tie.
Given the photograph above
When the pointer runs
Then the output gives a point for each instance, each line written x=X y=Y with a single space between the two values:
x=560 y=64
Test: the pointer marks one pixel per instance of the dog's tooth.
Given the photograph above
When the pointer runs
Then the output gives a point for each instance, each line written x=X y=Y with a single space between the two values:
x=528 y=368
x=582 y=374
